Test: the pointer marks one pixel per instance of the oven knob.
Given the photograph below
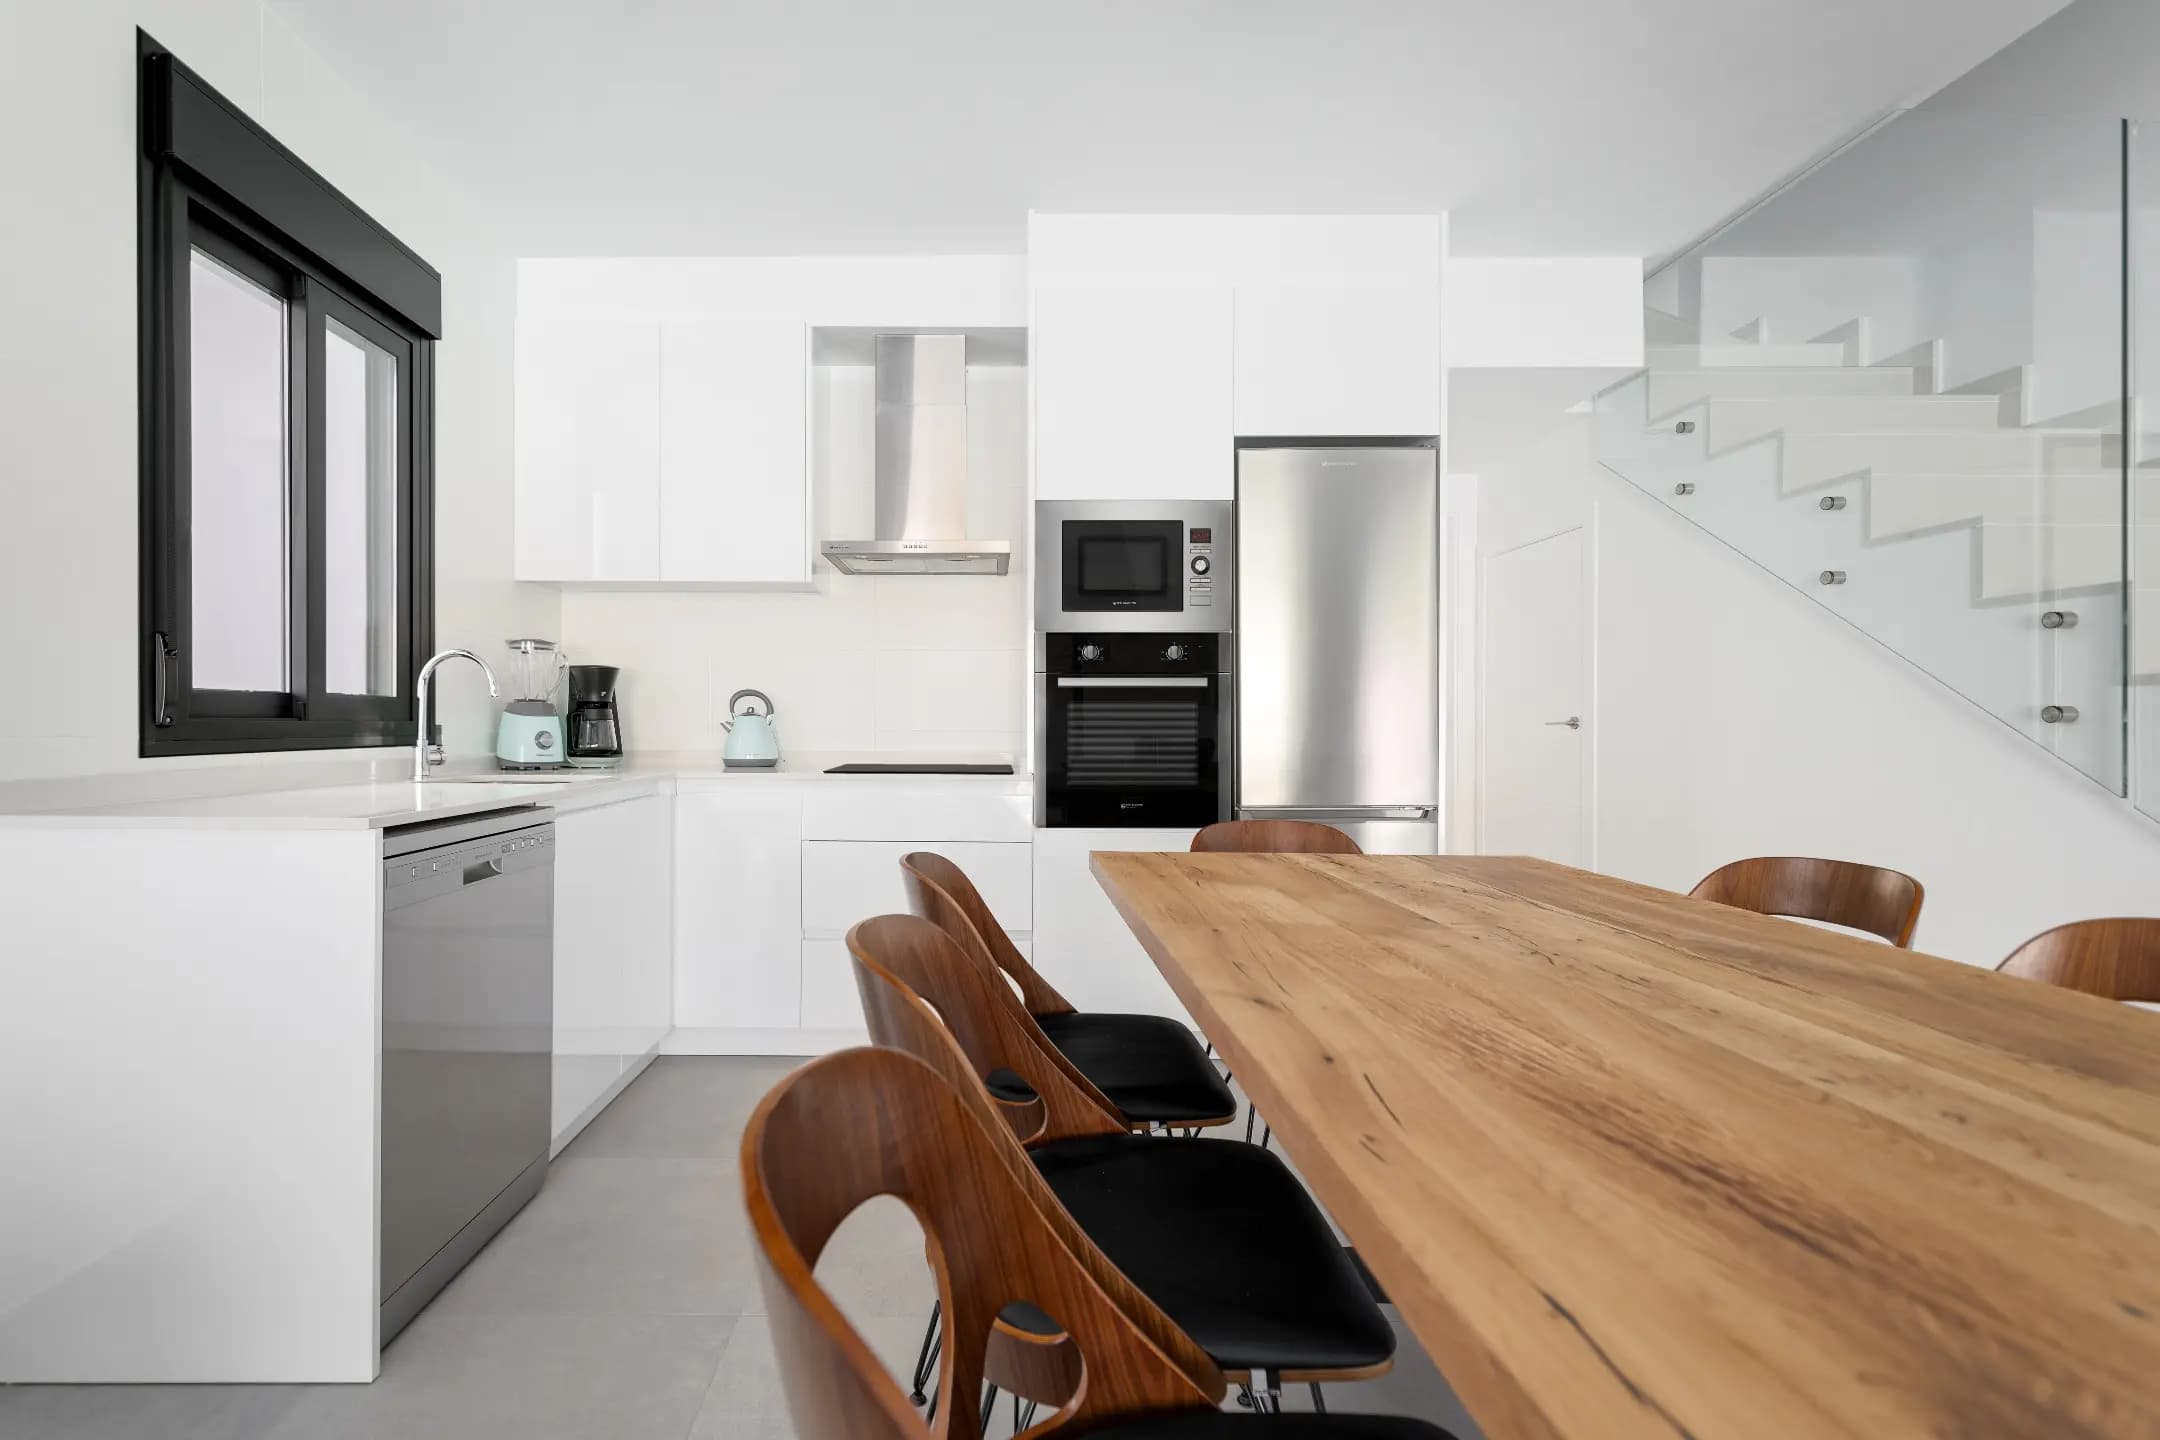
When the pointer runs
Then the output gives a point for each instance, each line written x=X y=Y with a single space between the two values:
x=1201 y=565
x=1173 y=652
x=1091 y=652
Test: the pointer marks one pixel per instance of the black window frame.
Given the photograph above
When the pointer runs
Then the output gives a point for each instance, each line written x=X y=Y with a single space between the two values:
x=211 y=179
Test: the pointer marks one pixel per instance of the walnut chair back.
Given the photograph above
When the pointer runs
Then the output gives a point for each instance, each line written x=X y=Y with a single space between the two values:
x=866 y=1123
x=1836 y=892
x=2116 y=959
x=940 y=892
x=1275 y=837
x=915 y=984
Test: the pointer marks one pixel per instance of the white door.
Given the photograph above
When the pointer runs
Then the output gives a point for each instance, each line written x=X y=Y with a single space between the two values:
x=1534 y=732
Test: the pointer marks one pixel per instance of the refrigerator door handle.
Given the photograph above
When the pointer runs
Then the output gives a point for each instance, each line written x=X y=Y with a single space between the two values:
x=1327 y=814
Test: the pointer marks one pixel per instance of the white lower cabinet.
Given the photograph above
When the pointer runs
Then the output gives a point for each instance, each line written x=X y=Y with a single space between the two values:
x=772 y=873
x=613 y=986
x=738 y=906
x=1081 y=944
x=830 y=1000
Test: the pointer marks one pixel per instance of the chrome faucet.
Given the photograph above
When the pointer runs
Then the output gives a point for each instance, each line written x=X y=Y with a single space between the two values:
x=424 y=754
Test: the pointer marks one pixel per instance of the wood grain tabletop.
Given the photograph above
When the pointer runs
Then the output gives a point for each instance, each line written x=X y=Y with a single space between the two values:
x=1638 y=1165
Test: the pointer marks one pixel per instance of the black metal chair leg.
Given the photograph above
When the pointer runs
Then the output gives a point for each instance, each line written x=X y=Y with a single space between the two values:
x=1252 y=1113
x=990 y=1394
x=1027 y=1417
x=926 y=1355
x=1319 y=1405
x=1267 y=1133
x=1272 y=1383
x=1245 y=1397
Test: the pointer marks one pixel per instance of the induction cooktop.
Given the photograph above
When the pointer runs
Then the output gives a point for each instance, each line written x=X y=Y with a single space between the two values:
x=930 y=767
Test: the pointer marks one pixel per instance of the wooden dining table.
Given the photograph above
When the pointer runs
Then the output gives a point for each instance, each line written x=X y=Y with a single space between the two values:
x=1633 y=1164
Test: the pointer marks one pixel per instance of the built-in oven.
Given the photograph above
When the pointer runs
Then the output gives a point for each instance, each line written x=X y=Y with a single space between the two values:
x=1133 y=730
x=1139 y=565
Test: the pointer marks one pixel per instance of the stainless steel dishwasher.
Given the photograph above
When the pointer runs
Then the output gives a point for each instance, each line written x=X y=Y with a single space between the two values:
x=468 y=1003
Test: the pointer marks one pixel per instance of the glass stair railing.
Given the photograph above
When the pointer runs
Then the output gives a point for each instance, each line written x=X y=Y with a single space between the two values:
x=1899 y=386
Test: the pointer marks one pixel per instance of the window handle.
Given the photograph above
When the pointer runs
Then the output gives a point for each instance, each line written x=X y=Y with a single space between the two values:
x=161 y=679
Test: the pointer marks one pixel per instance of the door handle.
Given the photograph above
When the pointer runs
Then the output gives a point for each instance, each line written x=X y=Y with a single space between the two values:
x=1573 y=722
x=486 y=870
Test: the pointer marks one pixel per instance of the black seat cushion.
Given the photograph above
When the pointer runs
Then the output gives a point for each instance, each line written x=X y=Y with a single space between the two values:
x=1222 y=1236
x=1150 y=1067
x=1220 y=1425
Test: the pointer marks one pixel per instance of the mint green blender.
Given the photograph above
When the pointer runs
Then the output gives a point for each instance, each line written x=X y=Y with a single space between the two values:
x=530 y=735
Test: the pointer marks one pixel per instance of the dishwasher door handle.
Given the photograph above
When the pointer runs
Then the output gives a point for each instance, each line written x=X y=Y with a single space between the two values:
x=485 y=870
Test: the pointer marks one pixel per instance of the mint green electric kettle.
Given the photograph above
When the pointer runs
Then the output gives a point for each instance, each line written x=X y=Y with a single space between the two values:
x=752 y=743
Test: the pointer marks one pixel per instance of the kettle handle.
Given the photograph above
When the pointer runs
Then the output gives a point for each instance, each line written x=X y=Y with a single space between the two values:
x=753 y=694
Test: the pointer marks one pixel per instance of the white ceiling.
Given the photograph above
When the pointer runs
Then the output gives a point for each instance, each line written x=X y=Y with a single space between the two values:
x=798 y=126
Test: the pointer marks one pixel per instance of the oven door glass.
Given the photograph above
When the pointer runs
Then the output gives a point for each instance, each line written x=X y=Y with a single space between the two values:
x=1132 y=752
x=1114 y=565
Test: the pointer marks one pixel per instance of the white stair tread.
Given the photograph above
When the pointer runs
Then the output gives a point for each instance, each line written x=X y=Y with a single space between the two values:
x=2024 y=560
x=1812 y=459
x=1672 y=390
x=1736 y=356
x=1901 y=503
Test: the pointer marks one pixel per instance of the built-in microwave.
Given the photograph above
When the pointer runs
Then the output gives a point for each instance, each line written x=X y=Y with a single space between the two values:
x=1145 y=565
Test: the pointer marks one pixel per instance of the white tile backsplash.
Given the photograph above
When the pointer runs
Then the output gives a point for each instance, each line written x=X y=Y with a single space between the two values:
x=858 y=663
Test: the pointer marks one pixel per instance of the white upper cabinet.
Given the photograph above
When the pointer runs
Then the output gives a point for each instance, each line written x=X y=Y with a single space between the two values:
x=663 y=405
x=1132 y=389
x=734 y=493
x=588 y=445
x=1337 y=324
x=1157 y=340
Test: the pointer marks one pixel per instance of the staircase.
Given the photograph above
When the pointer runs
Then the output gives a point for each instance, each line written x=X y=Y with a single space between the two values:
x=1988 y=552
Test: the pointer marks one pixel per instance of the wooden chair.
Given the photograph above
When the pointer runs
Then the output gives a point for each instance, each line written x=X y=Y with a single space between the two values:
x=867 y=1123
x=1147 y=1068
x=2115 y=959
x=1275 y=837
x=1220 y=1234
x=1836 y=892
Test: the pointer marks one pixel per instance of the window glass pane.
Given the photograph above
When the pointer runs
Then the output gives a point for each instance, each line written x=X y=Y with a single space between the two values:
x=237 y=490
x=360 y=579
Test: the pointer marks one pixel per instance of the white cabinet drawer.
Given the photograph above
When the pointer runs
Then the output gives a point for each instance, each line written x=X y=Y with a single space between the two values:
x=918 y=812
x=845 y=881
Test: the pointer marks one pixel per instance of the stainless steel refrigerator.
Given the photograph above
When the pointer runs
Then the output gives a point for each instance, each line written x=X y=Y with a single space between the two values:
x=1338 y=670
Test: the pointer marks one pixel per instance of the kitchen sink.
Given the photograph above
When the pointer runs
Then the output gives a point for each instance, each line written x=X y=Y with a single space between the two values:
x=506 y=778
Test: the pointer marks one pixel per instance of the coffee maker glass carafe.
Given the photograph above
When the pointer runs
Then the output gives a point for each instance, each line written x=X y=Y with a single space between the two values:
x=595 y=720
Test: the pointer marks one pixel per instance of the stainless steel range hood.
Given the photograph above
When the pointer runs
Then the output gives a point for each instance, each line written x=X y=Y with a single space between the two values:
x=921 y=473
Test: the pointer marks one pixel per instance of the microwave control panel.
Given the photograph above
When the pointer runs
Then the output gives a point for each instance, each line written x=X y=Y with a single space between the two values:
x=1200 y=565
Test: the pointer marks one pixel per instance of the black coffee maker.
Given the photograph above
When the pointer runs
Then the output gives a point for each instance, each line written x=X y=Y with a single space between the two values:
x=594 y=724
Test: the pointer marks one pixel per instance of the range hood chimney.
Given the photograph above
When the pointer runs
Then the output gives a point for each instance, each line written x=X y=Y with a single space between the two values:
x=921 y=470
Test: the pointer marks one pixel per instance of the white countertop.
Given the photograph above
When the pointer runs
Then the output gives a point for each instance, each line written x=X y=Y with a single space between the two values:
x=474 y=788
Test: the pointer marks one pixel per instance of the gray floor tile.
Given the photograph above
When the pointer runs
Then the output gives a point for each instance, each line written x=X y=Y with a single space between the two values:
x=683 y=1106
x=144 y=1412
x=525 y=1377
x=641 y=1237
x=745 y=1400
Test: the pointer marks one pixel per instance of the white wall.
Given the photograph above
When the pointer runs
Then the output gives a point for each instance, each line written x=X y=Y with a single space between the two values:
x=68 y=472
x=1733 y=717
x=859 y=662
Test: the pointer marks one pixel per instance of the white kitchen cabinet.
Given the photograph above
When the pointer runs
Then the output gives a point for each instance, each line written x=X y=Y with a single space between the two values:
x=1337 y=324
x=830 y=1000
x=734 y=468
x=738 y=905
x=1338 y=357
x=613 y=944
x=587 y=445
x=847 y=881
x=1080 y=942
x=1132 y=388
